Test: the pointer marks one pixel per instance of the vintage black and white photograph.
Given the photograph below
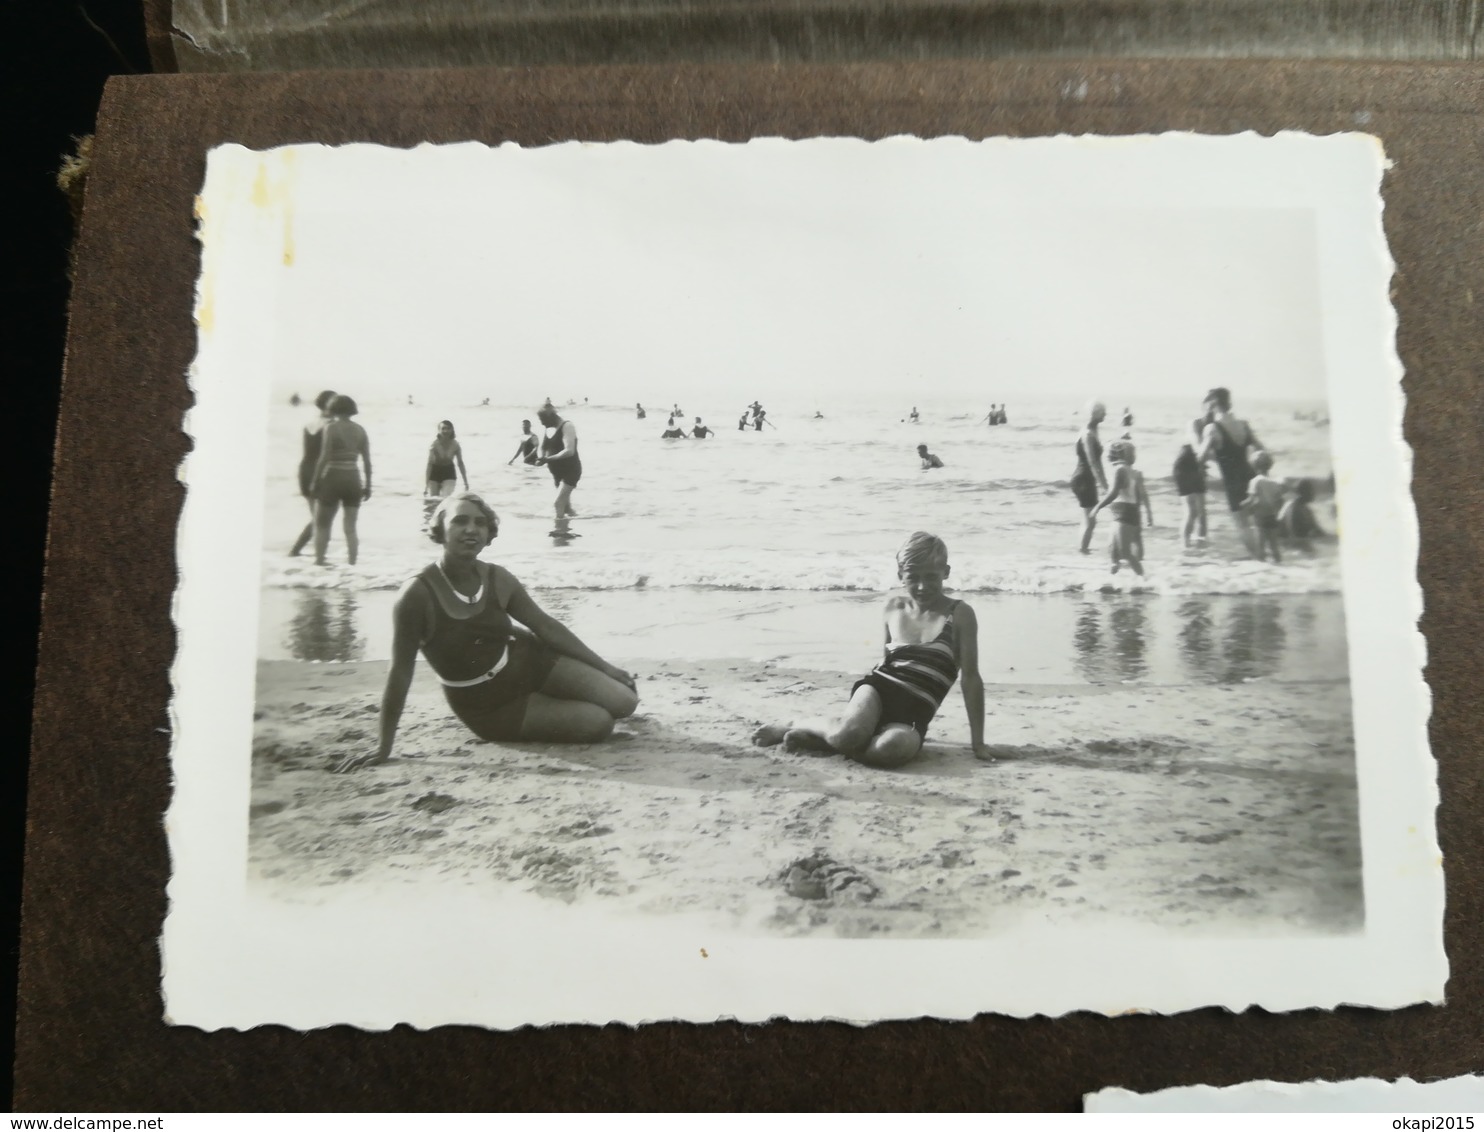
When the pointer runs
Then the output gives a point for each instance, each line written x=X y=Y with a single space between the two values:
x=814 y=578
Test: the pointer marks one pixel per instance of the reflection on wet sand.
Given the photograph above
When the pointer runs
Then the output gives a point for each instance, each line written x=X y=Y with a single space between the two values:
x=323 y=627
x=1217 y=640
x=1112 y=640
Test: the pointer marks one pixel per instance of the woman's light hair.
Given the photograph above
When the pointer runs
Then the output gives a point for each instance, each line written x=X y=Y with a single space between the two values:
x=438 y=523
x=921 y=549
x=1122 y=452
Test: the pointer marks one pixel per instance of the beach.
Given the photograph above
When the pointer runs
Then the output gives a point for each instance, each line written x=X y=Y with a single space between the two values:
x=1173 y=753
x=1217 y=808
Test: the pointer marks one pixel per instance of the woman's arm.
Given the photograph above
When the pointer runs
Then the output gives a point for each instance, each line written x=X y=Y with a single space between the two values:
x=520 y=606
x=1113 y=489
x=366 y=457
x=967 y=624
x=1144 y=499
x=458 y=458
x=408 y=620
x=1095 y=459
x=1209 y=444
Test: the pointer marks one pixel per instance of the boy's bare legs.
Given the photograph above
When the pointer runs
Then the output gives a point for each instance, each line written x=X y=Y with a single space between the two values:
x=1251 y=539
x=1133 y=546
x=894 y=745
x=1269 y=542
x=1192 y=516
x=850 y=736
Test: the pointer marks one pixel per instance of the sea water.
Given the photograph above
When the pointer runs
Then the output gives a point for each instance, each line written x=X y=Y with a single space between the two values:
x=780 y=535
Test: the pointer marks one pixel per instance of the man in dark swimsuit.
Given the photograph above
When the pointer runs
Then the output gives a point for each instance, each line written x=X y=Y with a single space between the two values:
x=526 y=449
x=559 y=455
x=1227 y=440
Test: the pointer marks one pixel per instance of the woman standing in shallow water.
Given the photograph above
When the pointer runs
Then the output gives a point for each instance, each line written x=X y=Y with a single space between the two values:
x=445 y=463
x=1227 y=440
x=337 y=477
x=1089 y=482
x=503 y=682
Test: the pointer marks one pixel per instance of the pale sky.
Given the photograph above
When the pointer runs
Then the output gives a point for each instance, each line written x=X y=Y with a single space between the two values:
x=649 y=277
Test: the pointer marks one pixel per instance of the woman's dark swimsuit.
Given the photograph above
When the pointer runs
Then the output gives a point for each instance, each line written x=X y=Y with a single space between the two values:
x=1084 y=482
x=913 y=679
x=1125 y=512
x=568 y=470
x=340 y=482
x=438 y=472
x=1236 y=472
x=488 y=666
x=1190 y=477
x=313 y=441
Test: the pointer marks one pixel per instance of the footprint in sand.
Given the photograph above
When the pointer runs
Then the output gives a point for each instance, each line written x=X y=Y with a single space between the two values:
x=435 y=803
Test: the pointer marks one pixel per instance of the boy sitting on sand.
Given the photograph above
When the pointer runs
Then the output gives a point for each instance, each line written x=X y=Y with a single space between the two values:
x=1125 y=496
x=1264 y=502
x=931 y=640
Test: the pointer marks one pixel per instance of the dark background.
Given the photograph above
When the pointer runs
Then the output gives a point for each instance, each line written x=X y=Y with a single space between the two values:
x=56 y=56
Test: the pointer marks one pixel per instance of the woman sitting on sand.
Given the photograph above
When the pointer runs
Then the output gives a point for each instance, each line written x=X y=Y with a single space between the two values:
x=931 y=640
x=502 y=682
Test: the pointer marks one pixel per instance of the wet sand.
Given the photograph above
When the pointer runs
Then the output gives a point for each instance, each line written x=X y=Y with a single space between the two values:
x=1206 y=808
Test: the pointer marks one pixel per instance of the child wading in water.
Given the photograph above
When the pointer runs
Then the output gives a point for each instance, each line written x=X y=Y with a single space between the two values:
x=931 y=640
x=1125 y=496
x=1264 y=502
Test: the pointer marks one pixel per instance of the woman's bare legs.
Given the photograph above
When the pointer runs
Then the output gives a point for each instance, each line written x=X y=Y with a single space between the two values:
x=1089 y=523
x=306 y=534
x=576 y=704
x=352 y=540
x=572 y=681
x=564 y=502
x=324 y=516
x=552 y=720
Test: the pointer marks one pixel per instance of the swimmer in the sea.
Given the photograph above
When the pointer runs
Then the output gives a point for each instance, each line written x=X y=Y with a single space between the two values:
x=671 y=432
x=700 y=432
x=927 y=458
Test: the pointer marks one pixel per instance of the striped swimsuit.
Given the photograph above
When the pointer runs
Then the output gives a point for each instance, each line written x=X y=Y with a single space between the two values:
x=914 y=679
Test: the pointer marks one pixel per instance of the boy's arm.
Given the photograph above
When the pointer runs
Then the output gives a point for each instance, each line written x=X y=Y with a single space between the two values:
x=972 y=683
x=1144 y=499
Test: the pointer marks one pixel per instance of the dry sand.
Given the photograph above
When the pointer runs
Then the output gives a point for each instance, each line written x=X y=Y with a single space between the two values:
x=1234 y=813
